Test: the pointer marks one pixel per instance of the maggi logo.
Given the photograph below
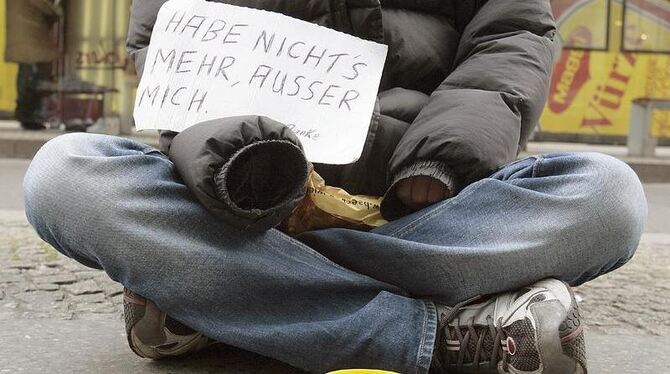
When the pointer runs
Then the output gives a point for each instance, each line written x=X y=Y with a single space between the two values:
x=570 y=74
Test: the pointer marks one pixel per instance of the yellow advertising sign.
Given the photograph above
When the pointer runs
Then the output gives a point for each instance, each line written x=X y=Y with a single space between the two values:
x=7 y=70
x=592 y=91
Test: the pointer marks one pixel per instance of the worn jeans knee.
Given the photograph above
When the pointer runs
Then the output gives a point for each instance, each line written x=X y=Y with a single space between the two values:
x=49 y=174
x=57 y=190
x=613 y=211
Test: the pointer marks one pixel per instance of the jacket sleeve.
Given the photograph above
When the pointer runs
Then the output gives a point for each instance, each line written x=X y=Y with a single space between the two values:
x=483 y=112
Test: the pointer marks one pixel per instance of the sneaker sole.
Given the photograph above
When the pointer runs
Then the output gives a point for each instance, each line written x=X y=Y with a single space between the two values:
x=134 y=309
x=571 y=333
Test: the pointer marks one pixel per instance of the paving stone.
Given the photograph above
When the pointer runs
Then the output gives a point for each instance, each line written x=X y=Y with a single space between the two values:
x=116 y=299
x=54 y=264
x=27 y=248
x=7 y=314
x=28 y=287
x=104 y=307
x=81 y=268
x=44 y=270
x=14 y=288
x=47 y=286
x=10 y=305
x=82 y=288
x=88 y=298
x=114 y=315
x=38 y=296
x=11 y=278
x=57 y=279
x=29 y=253
x=88 y=274
x=21 y=265
x=620 y=301
x=31 y=314
x=111 y=288
x=42 y=301
x=103 y=278
x=74 y=266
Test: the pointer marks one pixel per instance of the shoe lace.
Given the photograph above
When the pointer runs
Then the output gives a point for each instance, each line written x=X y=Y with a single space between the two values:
x=455 y=347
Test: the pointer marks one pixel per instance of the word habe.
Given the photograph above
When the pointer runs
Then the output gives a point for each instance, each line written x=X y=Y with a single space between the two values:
x=209 y=29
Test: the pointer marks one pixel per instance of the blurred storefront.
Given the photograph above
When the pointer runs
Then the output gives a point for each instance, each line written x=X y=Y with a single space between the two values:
x=95 y=82
x=614 y=52
x=94 y=39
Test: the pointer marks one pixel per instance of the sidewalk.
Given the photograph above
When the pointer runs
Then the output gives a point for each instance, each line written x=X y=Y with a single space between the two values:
x=101 y=347
x=650 y=170
x=57 y=316
x=17 y=143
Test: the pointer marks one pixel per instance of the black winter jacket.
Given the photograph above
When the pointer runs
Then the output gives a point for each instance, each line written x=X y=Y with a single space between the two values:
x=463 y=87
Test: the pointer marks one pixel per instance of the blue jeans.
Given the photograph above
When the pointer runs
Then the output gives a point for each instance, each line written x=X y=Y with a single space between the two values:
x=332 y=298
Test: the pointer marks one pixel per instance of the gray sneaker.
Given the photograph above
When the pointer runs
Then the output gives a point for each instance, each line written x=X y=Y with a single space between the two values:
x=153 y=334
x=536 y=329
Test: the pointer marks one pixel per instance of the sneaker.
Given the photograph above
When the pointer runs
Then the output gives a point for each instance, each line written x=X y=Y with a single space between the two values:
x=536 y=329
x=153 y=334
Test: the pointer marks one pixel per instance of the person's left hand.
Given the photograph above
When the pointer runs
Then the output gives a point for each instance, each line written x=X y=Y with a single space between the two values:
x=421 y=191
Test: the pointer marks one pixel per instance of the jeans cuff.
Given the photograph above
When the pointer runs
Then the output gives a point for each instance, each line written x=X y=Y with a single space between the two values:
x=429 y=333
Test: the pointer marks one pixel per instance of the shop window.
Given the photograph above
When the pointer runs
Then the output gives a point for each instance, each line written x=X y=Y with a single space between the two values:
x=583 y=24
x=646 y=26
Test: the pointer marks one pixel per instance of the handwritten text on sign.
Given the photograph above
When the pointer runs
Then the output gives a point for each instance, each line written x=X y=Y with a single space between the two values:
x=209 y=60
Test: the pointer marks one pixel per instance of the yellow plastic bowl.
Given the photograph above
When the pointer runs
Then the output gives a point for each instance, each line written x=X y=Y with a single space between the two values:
x=362 y=371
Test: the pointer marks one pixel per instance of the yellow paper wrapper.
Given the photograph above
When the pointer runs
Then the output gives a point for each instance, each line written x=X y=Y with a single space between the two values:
x=327 y=206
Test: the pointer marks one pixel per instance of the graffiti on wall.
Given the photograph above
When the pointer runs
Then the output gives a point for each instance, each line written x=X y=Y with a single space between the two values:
x=100 y=58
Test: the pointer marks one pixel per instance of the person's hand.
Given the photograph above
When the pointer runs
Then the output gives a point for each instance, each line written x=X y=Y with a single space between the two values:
x=421 y=191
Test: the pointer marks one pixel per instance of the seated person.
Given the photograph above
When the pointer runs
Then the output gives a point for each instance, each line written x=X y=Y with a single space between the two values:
x=471 y=274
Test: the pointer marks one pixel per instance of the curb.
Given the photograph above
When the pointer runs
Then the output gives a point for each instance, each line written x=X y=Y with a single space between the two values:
x=650 y=170
x=16 y=143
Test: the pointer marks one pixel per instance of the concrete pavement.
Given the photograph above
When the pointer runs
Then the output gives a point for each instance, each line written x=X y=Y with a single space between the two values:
x=658 y=198
x=56 y=346
x=38 y=347
x=57 y=316
x=18 y=143
x=11 y=175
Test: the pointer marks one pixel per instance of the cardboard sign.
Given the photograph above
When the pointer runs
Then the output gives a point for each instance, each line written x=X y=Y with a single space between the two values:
x=210 y=60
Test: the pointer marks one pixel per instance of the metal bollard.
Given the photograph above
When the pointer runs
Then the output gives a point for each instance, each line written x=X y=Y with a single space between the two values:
x=640 y=142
